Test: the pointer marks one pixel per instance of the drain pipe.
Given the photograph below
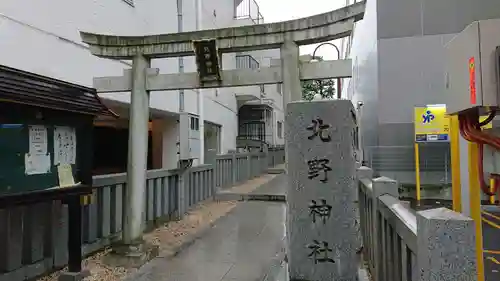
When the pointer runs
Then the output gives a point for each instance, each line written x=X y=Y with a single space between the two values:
x=201 y=113
x=180 y=59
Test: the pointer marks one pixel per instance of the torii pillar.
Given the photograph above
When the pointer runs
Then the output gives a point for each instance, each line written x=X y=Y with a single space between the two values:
x=287 y=36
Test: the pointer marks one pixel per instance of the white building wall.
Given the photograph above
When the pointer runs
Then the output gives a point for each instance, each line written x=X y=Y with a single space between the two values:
x=273 y=93
x=42 y=37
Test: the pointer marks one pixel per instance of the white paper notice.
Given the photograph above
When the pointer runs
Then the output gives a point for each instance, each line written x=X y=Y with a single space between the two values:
x=64 y=145
x=36 y=164
x=38 y=140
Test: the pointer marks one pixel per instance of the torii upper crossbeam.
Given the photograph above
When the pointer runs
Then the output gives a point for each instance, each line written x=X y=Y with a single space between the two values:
x=319 y=28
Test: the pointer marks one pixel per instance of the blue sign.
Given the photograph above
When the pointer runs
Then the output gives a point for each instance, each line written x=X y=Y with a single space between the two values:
x=428 y=117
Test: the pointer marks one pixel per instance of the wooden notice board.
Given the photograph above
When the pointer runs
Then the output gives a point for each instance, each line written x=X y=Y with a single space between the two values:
x=35 y=141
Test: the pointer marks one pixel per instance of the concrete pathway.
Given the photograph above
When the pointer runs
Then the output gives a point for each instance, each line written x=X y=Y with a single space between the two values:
x=491 y=242
x=242 y=246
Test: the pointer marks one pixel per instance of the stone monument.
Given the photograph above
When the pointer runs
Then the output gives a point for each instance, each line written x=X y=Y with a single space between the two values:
x=322 y=230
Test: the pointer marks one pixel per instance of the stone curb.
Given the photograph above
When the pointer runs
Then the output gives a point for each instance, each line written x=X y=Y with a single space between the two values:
x=276 y=171
x=250 y=197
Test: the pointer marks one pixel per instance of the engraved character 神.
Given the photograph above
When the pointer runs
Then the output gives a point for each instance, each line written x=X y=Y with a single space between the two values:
x=322 y=210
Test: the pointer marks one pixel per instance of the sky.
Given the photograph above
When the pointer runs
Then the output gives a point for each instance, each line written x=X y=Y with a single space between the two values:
x=282 y=10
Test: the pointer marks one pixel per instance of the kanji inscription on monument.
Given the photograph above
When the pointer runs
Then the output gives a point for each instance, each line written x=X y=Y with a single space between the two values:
x=322 y=234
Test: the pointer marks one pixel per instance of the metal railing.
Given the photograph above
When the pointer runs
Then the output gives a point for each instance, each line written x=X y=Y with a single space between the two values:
x=33 y=239
x=403 y=245
x=398 y=162
x=248 y=9
x=255 y=130
x=246 y=62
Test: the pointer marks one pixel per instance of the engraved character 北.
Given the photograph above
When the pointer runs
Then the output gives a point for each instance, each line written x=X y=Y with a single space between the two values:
x=319 y=165
x=322 y=210
x=319 y=129
x=319 y=252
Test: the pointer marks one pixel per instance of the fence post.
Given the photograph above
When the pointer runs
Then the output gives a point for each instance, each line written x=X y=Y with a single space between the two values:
x=363 y=172
x=234 y=168
x=182 y=193
x=381 y=186
x=362 y=212
x=249 y=167
x=257 y=173
x=446 y=246
x=213 y=178
x=272 y=153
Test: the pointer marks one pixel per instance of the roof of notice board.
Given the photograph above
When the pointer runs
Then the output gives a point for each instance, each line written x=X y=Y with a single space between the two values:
x=18 y=86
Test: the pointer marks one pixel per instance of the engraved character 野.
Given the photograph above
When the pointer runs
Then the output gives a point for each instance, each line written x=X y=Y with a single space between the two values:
x=319 y=165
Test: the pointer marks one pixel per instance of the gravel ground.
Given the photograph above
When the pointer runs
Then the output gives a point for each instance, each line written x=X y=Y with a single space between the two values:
x=250 y=185
x=168 y=238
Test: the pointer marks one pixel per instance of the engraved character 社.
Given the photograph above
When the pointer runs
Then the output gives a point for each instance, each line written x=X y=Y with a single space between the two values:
x=319 y=252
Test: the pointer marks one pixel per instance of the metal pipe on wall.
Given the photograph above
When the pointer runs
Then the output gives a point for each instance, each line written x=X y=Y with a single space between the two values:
x=180 y=59
x=201 y=113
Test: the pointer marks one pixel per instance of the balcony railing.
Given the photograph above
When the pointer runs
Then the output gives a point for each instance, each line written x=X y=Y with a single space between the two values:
x=248 y=9
x=246 y=62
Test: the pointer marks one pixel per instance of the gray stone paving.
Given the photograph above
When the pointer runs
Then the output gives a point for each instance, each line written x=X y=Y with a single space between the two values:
x=491 y=244
x=277 y=186
x=240 y=247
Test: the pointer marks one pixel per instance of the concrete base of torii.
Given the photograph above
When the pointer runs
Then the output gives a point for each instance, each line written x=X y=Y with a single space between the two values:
x=74 y=276
x=131 y=255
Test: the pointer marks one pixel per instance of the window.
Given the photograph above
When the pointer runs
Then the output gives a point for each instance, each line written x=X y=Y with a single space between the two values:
x=130 y=2
x=280 y=129
x=278 y=88
x=195 y=123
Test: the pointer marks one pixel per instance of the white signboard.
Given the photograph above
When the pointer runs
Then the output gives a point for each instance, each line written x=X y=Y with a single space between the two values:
x=64 y=145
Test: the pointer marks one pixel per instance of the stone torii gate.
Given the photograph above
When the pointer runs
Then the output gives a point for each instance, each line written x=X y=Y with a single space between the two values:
x=142 y=79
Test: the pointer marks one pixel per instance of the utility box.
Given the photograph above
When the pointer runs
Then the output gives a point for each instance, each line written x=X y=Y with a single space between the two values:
x=189 y=136
x=471 y=70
